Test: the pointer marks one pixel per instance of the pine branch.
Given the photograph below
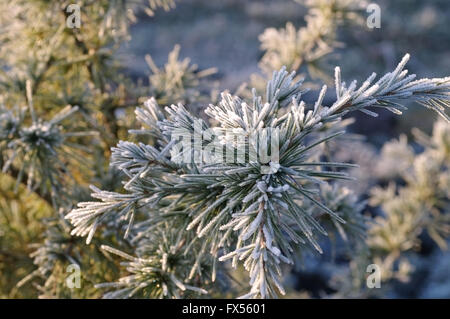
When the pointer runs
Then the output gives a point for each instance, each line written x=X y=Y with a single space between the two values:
x=253 y=212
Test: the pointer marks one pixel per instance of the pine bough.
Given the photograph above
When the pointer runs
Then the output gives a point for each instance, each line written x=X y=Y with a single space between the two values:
x=218 y=212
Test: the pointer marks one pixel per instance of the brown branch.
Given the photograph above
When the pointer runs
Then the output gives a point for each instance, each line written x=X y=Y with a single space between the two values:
x=111 y=121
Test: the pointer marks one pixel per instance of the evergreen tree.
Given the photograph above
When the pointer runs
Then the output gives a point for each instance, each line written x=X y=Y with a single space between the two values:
x=176 y=198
